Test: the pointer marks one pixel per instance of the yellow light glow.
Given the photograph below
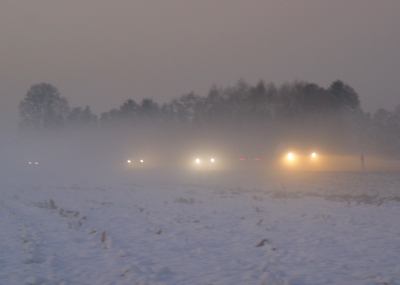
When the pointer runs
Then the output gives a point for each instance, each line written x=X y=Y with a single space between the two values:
x=212 y=160
x=198 y=160
x=290 y=156
x=129 y=161
x=313 y=155
x=141 y=161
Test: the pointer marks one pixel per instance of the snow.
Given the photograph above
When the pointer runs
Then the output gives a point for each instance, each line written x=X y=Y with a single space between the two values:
x=299 y=228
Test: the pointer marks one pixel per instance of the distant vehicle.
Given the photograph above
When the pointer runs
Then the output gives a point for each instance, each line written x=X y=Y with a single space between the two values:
x=205 y=162
x=296 y=155
x=250 y=162
x=249 y=159
x=200 y=161
x=137 y=163
x=129 y=161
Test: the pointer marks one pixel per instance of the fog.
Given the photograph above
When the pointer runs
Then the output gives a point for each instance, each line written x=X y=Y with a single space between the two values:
x=167 y=83
x=244 y=157
x=238 y=134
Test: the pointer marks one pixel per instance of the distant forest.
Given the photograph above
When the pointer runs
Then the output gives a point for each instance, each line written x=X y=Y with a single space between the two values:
x=243 y=115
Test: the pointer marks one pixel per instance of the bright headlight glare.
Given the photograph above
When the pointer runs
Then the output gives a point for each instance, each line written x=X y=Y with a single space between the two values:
x=197 y=160
x=313 y=154
x=212 y=160
x=290 y=156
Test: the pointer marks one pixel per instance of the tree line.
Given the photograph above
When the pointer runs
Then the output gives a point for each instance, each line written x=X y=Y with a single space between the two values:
x=239 y=114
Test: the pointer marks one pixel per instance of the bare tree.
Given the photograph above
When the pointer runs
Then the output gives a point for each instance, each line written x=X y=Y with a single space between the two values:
x=43 y=108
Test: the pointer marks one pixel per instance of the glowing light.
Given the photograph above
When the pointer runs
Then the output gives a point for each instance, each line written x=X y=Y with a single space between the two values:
x=198 y=160
x=241 y=159
x=30 y=162
x=36 y=162
x=129 y=161
x=141 y=161
x=290 y=156
x=257 y=158
x=313 y=155
x=212 y=160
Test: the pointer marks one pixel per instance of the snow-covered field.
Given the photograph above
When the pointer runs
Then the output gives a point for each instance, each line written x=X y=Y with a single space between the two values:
x=299 y=228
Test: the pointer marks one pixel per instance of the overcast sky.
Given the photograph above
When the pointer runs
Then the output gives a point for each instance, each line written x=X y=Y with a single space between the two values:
x=101 y=53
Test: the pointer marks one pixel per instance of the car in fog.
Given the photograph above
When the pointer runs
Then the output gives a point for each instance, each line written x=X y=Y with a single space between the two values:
x=299 y=156
x=249 y=162
x=138 y=163
x=205 y=162
x=135 y=161
x=249 y=159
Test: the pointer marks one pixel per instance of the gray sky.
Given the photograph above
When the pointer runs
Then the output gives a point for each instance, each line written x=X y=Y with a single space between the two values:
x=101 y=53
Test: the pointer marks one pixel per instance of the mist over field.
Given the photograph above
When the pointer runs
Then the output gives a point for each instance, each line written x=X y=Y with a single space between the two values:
x=250 y=184
x=247 y=130
x=199 y=142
